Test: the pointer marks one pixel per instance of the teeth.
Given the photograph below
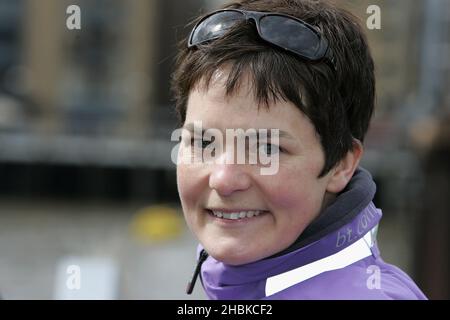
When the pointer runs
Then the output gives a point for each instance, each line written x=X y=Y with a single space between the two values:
x=236 y=215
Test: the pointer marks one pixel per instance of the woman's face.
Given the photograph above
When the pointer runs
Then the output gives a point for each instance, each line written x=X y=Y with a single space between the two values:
x=286 y=202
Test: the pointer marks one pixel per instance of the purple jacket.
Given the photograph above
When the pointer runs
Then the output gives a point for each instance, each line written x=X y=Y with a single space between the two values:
x=336 y=257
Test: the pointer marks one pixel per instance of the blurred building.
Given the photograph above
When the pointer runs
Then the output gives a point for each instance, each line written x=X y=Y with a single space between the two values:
x=394 y=47
x=100 y=80
x=96 y=98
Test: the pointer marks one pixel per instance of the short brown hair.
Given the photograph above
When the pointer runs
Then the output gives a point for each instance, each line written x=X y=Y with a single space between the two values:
x=339 y=102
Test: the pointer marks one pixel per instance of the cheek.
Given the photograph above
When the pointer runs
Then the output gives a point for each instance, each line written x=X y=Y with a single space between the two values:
x=191 y=186
x=185 y=184
x=293 y=189
x=186 y=192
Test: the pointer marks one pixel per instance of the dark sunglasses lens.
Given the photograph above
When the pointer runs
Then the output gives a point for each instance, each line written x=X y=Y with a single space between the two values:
x=215 y=26
x=290 y=34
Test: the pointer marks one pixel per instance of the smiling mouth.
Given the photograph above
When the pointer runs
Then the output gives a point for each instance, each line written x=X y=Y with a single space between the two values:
x=236 y=215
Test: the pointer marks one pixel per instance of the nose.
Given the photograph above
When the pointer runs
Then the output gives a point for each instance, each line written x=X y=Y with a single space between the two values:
x=226 y=179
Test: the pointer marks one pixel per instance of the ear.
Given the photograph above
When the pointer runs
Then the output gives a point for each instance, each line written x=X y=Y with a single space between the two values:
x=341 y=174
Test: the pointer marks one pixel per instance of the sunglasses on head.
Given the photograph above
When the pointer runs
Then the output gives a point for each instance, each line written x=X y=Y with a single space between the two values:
x=282 y=30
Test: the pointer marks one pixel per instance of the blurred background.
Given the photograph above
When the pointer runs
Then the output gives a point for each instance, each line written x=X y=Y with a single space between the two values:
x=85 y=122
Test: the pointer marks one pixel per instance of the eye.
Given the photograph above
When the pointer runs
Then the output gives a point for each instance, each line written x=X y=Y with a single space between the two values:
x=270 y=149
x=200 y=142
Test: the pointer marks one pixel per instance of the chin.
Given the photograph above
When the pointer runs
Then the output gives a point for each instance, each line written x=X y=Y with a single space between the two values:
x=233 y=260
x=231 y=257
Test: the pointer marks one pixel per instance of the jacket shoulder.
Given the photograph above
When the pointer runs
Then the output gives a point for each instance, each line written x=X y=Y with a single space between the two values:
x=368 y=279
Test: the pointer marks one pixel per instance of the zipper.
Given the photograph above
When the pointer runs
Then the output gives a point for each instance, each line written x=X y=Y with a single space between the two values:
x=201 y=259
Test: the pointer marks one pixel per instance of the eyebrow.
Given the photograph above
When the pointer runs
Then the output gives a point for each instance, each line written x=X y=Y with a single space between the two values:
x=282 y=134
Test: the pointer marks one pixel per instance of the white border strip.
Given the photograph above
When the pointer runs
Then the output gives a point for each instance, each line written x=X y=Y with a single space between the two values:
x=353 y=253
